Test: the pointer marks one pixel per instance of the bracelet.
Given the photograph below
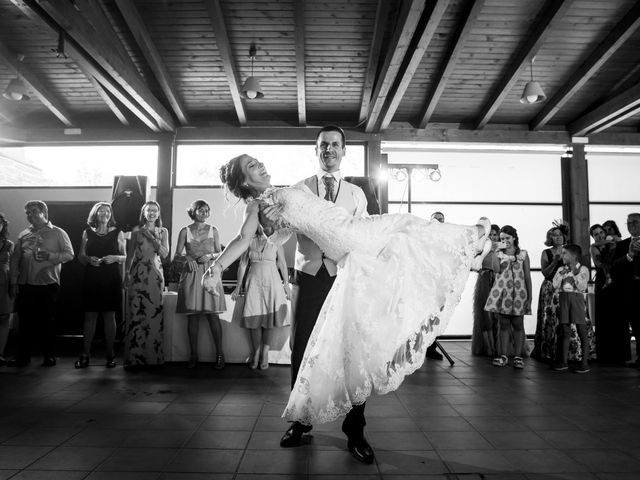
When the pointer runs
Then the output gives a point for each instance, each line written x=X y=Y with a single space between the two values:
x=629 y=258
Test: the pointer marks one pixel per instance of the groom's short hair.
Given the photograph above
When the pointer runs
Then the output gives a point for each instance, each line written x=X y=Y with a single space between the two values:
x=333 y=128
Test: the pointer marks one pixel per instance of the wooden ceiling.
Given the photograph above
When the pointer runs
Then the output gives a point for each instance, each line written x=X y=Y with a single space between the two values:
x=369 y=65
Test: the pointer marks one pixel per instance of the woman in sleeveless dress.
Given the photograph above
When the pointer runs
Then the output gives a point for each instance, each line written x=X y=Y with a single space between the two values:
x=265 y=294
x=202 y=244
x=102 y=252
x=484 y=323
x=6 y=302
x=399 y=279
x=143 y=342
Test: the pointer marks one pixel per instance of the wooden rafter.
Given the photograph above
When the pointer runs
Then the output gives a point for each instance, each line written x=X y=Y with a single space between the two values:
x=448 y=65
x=145 y=42
x=104 y=94
x=406 y=74
x=300 y=71
x=397 y=49
x=620 y=107
x=51 y=101
x=224 y=46
x=616 y=38
x=374 y=57
x=88 y=65
x=99 y=49
x=551 y=14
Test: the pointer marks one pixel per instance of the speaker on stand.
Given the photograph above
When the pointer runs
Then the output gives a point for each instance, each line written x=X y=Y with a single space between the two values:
x=128 y=195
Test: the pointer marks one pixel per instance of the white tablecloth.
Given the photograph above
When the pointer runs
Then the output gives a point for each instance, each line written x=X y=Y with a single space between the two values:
x=236 y=345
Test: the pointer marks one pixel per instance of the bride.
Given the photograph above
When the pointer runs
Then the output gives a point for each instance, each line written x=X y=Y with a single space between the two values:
x=399 y=280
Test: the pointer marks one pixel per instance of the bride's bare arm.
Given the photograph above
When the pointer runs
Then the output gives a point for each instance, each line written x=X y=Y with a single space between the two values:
x=241 y=242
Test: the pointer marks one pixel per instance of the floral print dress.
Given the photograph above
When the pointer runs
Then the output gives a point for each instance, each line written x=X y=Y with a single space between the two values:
x=144 y=325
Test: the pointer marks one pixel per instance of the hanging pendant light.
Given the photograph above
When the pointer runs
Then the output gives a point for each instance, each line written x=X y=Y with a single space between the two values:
x=532 y=92
x=16 y=90
x=252 y=88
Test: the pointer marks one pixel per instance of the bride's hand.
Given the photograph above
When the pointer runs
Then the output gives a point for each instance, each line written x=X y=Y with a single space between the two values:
x=211 y=278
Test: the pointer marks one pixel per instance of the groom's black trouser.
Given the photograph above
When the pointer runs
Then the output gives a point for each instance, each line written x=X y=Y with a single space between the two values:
x=312 y=292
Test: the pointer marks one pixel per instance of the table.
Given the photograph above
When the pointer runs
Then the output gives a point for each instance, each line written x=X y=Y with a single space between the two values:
x=235 y=339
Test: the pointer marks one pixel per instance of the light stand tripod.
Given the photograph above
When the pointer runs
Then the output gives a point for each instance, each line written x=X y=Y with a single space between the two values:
x=444 y=352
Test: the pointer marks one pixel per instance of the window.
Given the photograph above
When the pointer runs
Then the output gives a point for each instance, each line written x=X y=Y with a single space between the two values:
x=287 y=164
x=84 y=166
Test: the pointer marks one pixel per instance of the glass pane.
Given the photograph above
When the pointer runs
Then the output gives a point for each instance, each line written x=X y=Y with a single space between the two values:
x=485 y=176
x=85 y=166
x=617 y=213
x=287 y=164
x=531 y=221
x=613 y=177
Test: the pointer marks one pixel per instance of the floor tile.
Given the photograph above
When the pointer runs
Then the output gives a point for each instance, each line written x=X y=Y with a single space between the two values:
x=43 y=436
x=50 y=475
x=205 y=461
x=230 y=440
x=292 y=461
x=409 y=463
x=72 y=458
x=605 y=460
x=457 y=440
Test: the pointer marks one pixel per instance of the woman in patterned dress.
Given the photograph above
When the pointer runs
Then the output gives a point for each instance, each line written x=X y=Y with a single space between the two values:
x=144 y=326
x=202 y=244
x=102 y=251
x=510 y=296
x=266 y=294
x=6 y=302
x=547 y=323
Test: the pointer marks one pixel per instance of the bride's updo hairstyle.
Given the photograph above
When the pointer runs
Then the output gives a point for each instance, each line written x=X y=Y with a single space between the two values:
x=232 y=177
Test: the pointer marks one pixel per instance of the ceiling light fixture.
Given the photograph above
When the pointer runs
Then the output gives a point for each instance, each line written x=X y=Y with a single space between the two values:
x=252 y=88
x=16 y=90
x=532 y=92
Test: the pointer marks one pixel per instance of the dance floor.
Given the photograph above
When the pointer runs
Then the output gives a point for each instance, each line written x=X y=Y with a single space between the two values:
x=469 y=421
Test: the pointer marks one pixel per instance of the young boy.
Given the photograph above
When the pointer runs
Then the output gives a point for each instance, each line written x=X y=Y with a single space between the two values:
x=571 y=283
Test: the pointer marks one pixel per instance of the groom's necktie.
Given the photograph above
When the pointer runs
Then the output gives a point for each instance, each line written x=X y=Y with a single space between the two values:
x=329 y=186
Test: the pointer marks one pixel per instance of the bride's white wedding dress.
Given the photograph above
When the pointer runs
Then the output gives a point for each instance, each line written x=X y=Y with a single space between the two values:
x=399 y=279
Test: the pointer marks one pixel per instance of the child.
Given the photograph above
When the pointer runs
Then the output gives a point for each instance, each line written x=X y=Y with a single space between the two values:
x=571 y=283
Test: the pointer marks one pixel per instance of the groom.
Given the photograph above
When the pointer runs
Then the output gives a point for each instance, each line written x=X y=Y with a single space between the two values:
x=315 y=275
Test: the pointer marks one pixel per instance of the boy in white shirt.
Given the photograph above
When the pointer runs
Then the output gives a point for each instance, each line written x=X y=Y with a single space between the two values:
x=571 y=283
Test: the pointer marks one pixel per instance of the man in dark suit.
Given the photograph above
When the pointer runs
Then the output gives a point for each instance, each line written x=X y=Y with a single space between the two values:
x=625 y=274
x=314 y=276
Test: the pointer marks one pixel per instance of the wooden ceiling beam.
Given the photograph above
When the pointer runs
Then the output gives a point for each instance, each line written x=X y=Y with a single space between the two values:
x=607 y=114
x=145 y=42
x=550 y=15
x=603 y=52
x=87 y=64
x=300 y=71
x=448 y=65
x=374 y=57
x=412 y=62
x=48 y=99
x=224 y=47
x=100 y=50
x=410 y=14
x=630 y=113
x=106 y=97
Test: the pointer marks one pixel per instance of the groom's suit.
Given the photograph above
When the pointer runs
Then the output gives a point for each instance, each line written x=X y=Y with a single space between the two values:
x=315 y=274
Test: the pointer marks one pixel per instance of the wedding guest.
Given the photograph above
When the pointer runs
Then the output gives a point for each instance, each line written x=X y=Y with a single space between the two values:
x=510 y=296
x=612 y=230
x=609 y=329
x=625 y=273
x=36 y=262
x=202 y=244
x=482 y=338
x=545 y=341
x=570 y=283
x=102 y=252
x=143 y=342
x=6 y=302
x=265 y=295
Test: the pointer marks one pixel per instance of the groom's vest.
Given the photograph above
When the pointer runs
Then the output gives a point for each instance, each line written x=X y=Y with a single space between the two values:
x=309 y=257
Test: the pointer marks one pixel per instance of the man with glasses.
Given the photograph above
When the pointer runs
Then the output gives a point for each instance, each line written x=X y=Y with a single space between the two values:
x=625 y=273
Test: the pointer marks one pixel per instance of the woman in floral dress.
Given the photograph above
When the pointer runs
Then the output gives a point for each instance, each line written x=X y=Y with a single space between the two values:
x=144 y=325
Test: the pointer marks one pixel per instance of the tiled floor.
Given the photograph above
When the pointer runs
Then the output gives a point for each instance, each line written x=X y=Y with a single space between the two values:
x=470 y=421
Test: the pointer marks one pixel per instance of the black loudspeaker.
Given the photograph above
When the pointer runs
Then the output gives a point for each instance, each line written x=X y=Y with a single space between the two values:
x=369 y=189
x=127 y=197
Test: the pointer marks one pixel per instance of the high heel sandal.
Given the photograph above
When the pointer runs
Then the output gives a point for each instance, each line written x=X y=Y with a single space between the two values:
x=111 y=361
x=219 y=362
x=253 y=361
x=264 y=359
x=82 y=362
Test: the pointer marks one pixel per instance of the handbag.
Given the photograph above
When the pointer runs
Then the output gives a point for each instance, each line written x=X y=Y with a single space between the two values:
x=175 y=269
x=238 y=309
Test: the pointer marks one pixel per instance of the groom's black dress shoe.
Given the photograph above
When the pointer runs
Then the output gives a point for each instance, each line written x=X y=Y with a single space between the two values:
x=293 y=436
x=361 y=450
